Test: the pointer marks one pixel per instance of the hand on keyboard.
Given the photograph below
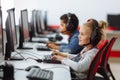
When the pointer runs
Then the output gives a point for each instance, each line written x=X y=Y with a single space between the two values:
x=52 y=61
x=48 y=59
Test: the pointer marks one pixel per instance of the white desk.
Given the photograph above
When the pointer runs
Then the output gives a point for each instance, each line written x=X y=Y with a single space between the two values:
x=31 y=53
x=61 y=72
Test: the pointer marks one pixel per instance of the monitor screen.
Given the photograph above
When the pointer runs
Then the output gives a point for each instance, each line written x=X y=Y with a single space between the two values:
x=13 y=25
x=45 y=20
x=1 y=35
x=10 y=33
x=25 y=25
x=33 y=23
x=39 y=27
x=114 y=21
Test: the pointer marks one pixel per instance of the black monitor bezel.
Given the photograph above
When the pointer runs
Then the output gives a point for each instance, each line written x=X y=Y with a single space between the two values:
x=1 y=26
x=10 y=45
x=33 y=24
x=45 y=20
x=21 y=30
x=22 y=25
x=114 y=21
x=39 y=23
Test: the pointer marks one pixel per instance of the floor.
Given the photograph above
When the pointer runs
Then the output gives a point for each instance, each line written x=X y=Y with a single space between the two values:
x=115 y=67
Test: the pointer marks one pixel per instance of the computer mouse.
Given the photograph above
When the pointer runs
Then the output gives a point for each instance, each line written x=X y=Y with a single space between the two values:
x=39 y=60
x=30 y=67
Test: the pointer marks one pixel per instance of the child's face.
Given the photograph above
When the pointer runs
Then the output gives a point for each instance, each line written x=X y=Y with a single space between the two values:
x=84 y=36
x=63 y=27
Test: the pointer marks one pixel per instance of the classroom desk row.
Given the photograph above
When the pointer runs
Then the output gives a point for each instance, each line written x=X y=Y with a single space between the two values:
x=60 y=71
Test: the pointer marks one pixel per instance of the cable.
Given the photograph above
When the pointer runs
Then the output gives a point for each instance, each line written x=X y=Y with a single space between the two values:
x=31 y=52
x=17 y=58
x=19 y=53
x=33 y=55
x=27 y=53
x=29 y=58
x=57 y=67
x=38 y=59
x=19 y=69
x=47 y=68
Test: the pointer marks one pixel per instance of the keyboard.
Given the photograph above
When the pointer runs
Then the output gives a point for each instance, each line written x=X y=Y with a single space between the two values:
x=48 y=59
x=47 y=56
x=40 y=74
x=51 y=61
x=25 y=48
x=43 y=48
x=40 y=41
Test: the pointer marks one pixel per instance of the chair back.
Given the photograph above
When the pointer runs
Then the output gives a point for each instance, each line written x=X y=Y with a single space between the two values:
x=107 y=51
x=96 y=62
x=101 y=44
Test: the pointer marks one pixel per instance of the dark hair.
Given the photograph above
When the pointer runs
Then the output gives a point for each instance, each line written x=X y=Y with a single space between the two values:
x=73 y=20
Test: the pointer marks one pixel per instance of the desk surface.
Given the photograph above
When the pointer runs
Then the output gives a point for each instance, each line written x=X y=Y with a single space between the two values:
x=61 y=72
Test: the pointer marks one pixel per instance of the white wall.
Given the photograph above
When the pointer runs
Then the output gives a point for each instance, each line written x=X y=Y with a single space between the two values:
x=84 y=9
x=0 y=2
x=5 y=5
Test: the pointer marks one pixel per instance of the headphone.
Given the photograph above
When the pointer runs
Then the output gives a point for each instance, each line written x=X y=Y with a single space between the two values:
x=69 y=25
x=95 y=32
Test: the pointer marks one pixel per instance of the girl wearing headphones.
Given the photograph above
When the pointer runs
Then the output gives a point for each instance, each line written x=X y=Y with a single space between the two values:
x=90 y=35
x=69 y=26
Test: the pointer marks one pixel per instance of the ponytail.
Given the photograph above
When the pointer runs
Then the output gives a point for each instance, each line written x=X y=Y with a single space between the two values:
x=102 y=27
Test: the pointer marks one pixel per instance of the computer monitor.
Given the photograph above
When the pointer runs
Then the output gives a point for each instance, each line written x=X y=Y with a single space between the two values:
x=42 y=25
x=10 y=33
x=39 y=21
x=25 y=25
x=24 y=28
x=114 y=21
x=1 y=36
x=33 y=24
x=45 y=20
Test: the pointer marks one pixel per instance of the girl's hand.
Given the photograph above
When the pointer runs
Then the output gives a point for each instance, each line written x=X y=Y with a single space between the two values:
x=57 y=57
x=56 y=52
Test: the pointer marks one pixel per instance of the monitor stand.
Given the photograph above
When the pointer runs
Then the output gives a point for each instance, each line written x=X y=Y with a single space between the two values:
x=16 y=58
